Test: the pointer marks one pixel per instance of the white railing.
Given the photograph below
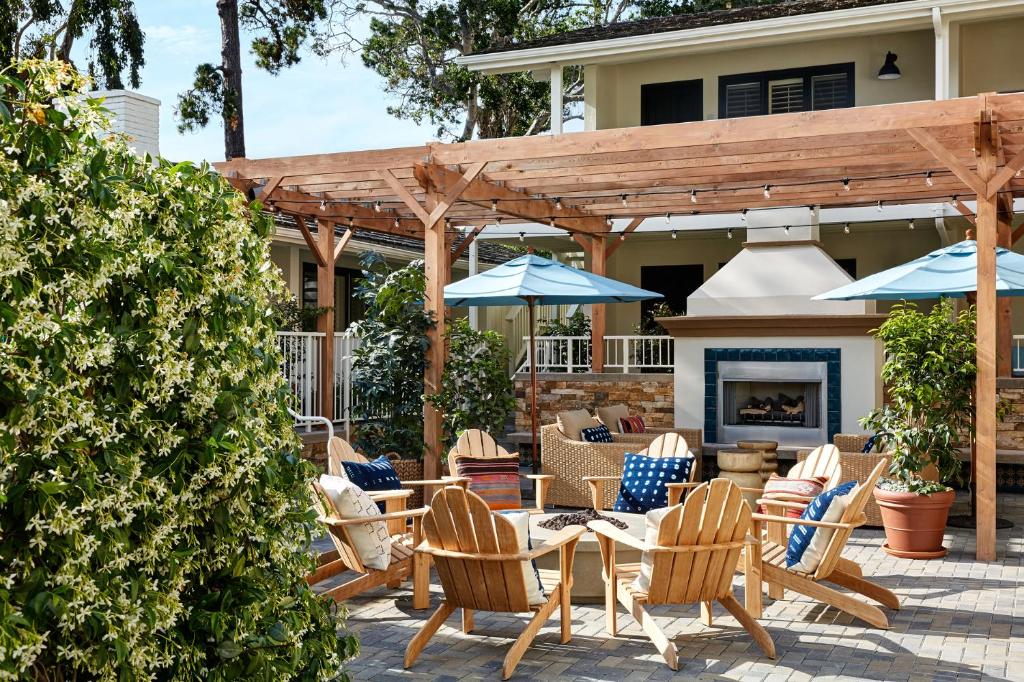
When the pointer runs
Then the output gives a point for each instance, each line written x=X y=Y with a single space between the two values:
x=300 y=364
x=1018 y=354
x=344 y=345
x=626 y=354
x=517 y=326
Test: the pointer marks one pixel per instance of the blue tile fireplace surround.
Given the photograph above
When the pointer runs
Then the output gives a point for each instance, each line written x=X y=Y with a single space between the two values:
x=830 y=356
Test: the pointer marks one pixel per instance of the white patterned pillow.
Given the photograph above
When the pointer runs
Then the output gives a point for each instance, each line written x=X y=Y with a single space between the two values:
x=371 y=539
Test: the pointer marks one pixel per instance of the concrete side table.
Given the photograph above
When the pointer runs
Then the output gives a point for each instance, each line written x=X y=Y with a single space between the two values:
x=769 y=450
x=743 y=467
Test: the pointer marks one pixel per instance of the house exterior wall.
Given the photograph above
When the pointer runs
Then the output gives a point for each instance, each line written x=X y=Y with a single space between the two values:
x=987 y=56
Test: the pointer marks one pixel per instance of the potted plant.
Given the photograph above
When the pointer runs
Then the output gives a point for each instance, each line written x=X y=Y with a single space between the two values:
x=929 y=376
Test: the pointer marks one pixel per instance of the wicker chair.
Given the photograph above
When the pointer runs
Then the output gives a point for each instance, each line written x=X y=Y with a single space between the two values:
x=570 y=460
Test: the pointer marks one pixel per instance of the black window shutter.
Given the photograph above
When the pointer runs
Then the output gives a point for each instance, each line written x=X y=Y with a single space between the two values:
x=744 y=99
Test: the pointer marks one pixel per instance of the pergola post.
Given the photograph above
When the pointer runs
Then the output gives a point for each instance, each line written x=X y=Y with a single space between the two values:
x=598 y=264
x=985 y=392
x=325 y=324
x=438 y=272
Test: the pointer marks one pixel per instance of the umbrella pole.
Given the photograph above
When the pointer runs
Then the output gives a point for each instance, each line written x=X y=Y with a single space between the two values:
x=533 y=387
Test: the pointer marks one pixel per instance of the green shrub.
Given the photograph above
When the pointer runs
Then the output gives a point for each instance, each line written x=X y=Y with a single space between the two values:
x=476 y=389
x=154 y=508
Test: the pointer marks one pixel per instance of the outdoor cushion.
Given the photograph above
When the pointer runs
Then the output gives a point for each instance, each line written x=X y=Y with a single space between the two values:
x=643 y=481
x=571 y=422
x=494 y=479
x=610 y=416
x=370 y=540
x=379 y=474
x=869 y=444
x=597 y=434
x=806 y=487
x=652 y=528
x=799 y=553
x=534 y=589
x=632 y=425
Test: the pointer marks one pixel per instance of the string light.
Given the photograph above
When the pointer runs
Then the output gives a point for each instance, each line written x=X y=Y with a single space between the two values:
x=494 y=205
x=846 y=184
x=846 y=228
x=522 y=236
x=376 y=206
x=608 y=220
x=323 y=205
x=693 y=196
x=558 y=204
x=928 y=179
x=497 y=221
x=675 y=235
x=668 y=218
x=743 y=214
x=350 y=222
x=625 y=200
x=728 y=233
x=910 y=224
x=551 y=222
x=879 y=206
x=767 y=191
x=397 y=223
x=786 y=229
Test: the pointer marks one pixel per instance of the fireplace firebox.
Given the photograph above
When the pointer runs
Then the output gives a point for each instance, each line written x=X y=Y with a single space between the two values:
x=780 y=401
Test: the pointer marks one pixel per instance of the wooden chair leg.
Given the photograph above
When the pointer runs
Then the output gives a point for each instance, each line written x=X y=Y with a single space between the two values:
x=756 y=630
x=420 y=580
x=467 y=621
x=418 y=643
x=752 y=586
x=705 y=613
x=596 y=495
x=524 y=640
x=856 y=608
x=848 y=566
x=777 y=534
x=565 y=560
x=657 y=636
x=865 y=587
x=611 y=585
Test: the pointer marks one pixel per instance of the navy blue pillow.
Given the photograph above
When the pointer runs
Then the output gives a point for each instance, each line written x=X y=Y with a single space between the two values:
x=800 y=536
x=596 y=434
x=379 y=474
x=644 y=478
x=869 y=445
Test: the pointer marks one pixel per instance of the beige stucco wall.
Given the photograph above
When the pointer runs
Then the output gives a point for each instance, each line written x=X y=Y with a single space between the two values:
x=613 y=91
x=989 y=56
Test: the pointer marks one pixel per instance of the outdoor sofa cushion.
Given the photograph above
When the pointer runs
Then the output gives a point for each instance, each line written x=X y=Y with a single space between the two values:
x=494 y=479
x=370 y=540
x=597 y=434
x=610 y=415
x=572 y=422
x=531 y=576
x=632 y=425
x=643 y=481
x=807 y=543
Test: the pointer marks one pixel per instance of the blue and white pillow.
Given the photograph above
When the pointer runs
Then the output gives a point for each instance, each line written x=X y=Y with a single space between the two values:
x=644 y=478
x=379 y=474
x=869 y=444
x=807 y=543
x=597 y=434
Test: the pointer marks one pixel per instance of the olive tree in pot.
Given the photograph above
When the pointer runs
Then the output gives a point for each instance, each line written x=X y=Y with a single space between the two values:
x=929 y=375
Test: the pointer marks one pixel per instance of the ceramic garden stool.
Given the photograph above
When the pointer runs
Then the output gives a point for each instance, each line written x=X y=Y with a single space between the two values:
x=743 y=467
x=769 y=450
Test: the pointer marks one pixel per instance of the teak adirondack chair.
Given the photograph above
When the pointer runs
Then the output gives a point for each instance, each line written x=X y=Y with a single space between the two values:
x=477 y=443
x=669 y=444
x=767 y=563
x=404 y=562
x=481 y=568
x=698 y=549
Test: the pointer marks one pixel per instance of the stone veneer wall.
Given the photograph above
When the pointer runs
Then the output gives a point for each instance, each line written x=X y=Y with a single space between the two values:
x=1010 y=430
x=649 y=395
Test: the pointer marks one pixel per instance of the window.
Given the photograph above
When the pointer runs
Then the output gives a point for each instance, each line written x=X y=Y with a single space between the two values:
x=676 y=102
x=674 y=282
x=848 y=264
x=347 y=308
x=778 y=92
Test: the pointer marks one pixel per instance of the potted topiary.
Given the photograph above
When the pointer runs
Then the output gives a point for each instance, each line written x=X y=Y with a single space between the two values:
x=929 y=376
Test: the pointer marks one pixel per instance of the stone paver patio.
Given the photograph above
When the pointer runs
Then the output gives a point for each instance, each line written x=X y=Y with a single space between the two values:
x=960 y=620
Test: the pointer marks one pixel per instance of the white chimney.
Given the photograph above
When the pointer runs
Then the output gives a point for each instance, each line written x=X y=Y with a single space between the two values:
x=136 y=115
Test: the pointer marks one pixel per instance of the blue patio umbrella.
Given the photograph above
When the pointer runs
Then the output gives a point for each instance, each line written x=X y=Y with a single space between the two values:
x=949 y=271
x=531 y=280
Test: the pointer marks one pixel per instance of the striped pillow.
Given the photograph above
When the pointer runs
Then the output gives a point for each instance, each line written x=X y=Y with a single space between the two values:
x=494 y=479
x=632 y=425
x=806 y=487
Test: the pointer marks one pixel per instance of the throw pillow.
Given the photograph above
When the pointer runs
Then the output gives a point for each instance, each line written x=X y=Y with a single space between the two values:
x=597 y=434
x=806 y=487
x=643 y=481
x=652 y=527
x=379 y=474
x=610 y=416
x=869 y=444
x=632 y=425
x=534 y=589
x=494 y=479
x=571 y=422
x=370 y=540
x=819 y=509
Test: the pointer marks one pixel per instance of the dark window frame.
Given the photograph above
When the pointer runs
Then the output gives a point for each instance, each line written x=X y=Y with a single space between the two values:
x=807 y=73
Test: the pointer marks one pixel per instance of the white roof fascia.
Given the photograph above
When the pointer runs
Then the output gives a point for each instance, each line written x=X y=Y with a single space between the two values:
x=903 y=16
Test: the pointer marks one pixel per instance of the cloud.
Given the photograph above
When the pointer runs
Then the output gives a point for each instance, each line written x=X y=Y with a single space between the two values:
x=180 y=41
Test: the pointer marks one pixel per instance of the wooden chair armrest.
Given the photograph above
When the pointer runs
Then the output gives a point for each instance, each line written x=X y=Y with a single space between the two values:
x=560 y=538
x=686 y=485
x=609 y=531
x=384 y=495
x=601 y=478
x=403 y=514
x=539 y=477
x=807 y=522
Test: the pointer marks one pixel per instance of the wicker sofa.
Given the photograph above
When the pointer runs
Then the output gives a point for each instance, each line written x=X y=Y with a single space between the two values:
x=856 y=466
x=571 y=460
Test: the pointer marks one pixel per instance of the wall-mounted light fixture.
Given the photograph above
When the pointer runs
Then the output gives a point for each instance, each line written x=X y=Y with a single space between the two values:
x=889 y=70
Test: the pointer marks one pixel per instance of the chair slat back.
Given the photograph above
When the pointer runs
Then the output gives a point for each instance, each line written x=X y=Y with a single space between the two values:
x=854 y=510
x=474 y=443
x=671 y=444
x=340 y=450
x=821 y=461
x=714 y=518
x=339 y=534
x=460 y=521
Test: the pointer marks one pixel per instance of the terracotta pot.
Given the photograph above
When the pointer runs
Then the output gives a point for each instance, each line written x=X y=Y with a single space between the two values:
x=914 y=524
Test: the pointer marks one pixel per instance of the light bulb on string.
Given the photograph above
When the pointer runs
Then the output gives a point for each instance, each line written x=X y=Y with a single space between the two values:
x=879 y=206
x=558 y=204
x=323 y=205
x=846 y=228
x=625 y=200
x=494 y=205
x=377 y=206
x=350 y=222
x=786 y=229
x=668 y=218
x=397 y=223
x=674 y=235
x=767 y=191
x=743 y=215
x=522 y=236
x=497 y=221
x=846 y=184
x=928 y=179
x=728 y=233
x=910 y=224
x=693 y=196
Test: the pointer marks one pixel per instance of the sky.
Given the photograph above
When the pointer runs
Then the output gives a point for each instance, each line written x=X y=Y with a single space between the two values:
x=317 y=106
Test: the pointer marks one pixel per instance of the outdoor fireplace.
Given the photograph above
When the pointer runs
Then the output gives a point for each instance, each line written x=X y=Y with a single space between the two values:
x=781 y=401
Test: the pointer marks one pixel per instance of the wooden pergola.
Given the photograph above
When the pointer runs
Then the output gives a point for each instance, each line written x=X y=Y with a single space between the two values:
x=922 y=152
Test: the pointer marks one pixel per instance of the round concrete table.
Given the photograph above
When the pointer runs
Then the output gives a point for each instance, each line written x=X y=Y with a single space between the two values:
x=588 y=585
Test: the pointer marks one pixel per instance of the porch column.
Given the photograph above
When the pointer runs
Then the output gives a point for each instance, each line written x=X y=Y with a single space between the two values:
x=325 y=299
x=557 y=103
x=474 y=268
x=985 y=392
x=598 y=262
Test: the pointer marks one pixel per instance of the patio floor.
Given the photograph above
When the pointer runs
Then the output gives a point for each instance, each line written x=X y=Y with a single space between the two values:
x=961 y=619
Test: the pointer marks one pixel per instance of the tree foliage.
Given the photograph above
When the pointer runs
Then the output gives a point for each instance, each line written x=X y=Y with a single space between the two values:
x=929 y=375
x=413 y=45
x=154 y=510
x=388 y=366
x=49 y=28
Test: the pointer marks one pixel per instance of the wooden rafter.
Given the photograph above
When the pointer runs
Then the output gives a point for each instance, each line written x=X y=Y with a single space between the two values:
x=965 y=211
x=339 y=247
x=311 y=241
x=466 y=241
x=614 y=246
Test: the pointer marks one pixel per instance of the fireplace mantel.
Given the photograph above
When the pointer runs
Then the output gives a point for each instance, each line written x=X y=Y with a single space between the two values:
x=755 y=326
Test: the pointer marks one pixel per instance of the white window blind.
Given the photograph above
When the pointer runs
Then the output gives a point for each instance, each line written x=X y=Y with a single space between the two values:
x=786 y=95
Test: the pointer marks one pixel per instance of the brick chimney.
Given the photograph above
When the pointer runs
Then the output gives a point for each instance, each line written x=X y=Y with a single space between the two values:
x=136 y=115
